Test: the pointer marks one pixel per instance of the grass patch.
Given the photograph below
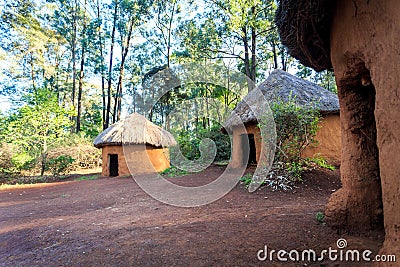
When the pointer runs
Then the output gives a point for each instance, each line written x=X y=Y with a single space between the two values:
x=320 y=217
x=87 y=178
x=221 y=163
x=174 y=172
x=321 y=162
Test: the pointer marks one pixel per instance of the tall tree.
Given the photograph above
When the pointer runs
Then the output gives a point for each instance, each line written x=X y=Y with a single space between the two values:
x=232 y=29
x=166 y=15
x=133 y=13
x=113 y=5
x=38 y=124
x=82 y=66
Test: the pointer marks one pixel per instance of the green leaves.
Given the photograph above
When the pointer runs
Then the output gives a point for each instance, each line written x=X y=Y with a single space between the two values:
x=296 y=127
x=38 y=124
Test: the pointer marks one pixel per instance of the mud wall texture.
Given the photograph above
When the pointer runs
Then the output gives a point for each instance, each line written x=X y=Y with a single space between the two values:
x=329 y=144
x=365 y=38
x=237 y=151
x=141 y=159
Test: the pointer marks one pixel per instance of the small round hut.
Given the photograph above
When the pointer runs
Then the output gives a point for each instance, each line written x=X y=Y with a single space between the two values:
x=282 y=85
x=134 y=145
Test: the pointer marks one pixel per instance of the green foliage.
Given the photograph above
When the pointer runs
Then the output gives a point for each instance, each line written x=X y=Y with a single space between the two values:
x=321 y=162
x=60 y=165
x=246 y=179
x=23 y=161
x=320 y=217
x=91 y=123
x=87 y=178
x=174 y=172
x=189 y=142
x=35 y=128
x=295 y=169
x=325 y=79
x=296 y=127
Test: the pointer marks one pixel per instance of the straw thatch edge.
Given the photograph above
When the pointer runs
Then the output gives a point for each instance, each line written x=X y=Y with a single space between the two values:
x=304 y=28
x=134 y=129
x=281 y=85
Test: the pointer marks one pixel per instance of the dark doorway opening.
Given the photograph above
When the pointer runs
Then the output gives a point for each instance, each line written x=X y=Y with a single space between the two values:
x=113 y=166
x=249 y=148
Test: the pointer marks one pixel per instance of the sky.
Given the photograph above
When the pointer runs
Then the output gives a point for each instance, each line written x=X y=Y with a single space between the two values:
x=4 y=104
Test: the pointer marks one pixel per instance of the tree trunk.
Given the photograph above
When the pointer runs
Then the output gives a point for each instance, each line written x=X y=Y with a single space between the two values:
x=73 y=52
x=33 y=73
x=283 y=59
x=169 y=33
x=103 y=92
x=118 y=95
x=81 y=72
x=43 y=158
x=253 y=72
x=246 y=58
x=275 y=55
x=108 y=110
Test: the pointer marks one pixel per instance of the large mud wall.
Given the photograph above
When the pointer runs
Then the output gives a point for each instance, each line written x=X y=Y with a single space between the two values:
x=365 y=52
x=141 y=161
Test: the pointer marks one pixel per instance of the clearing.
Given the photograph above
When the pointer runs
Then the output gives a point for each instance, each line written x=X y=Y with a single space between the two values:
x=112 y=222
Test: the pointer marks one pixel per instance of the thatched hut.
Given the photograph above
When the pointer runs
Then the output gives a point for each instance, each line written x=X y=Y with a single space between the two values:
x=282 y=85
x=134 y=145
x=359 y=39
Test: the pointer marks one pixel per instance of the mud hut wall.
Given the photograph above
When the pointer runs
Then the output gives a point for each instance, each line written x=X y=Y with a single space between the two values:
x=328 y=137
x=159 y=157
x=137 y=157
x=369 y=31
x=122 y=167
x=237 y=151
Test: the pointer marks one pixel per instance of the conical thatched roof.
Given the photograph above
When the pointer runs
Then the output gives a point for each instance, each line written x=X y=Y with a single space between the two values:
x=134 y=129
x=304 y=27
x=282 y=85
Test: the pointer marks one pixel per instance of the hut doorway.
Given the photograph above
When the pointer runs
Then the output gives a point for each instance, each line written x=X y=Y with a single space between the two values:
x=113 y=164
x=249 y=148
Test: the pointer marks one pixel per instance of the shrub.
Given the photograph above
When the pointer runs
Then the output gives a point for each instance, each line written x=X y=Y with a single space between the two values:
x=23 y=161
x=6 y=159
x=60 y=165
x=321 y=162
x=86 y=155
x=296 y=127
x=189 y=143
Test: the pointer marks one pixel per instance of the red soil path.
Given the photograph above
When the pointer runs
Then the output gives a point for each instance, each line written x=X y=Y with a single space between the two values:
x=112 y=222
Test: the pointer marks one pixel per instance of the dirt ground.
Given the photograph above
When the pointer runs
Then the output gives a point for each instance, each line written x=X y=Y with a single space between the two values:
x=112 y=222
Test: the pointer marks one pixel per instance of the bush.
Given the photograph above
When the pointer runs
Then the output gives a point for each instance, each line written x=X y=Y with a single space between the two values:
x=296 y=127
x=85 y=156
x=60 y=165
x=6 y=163
x=189 y=143
x=23 y=161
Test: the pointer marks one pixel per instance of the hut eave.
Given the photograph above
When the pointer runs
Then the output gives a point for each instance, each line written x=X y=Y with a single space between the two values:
x=304 y=28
